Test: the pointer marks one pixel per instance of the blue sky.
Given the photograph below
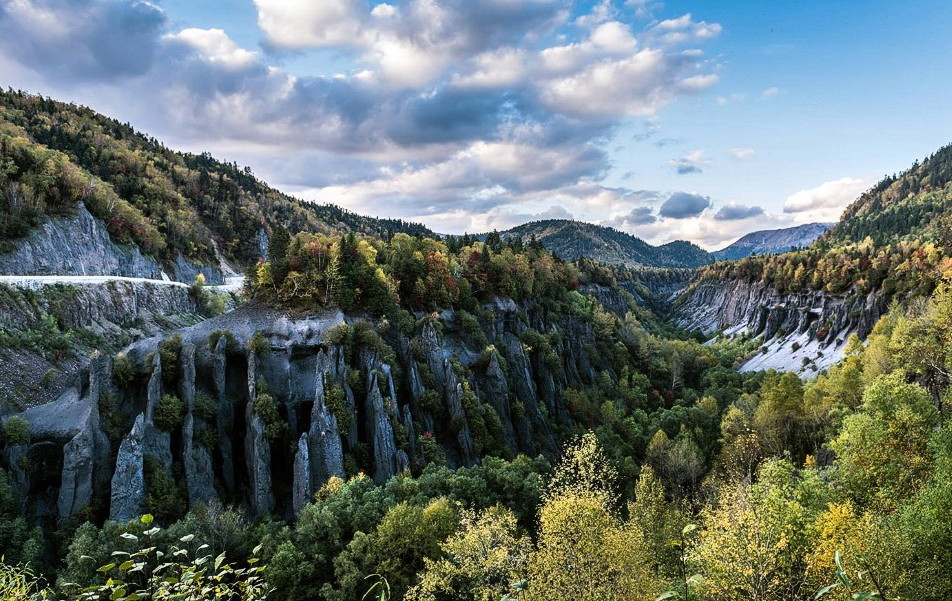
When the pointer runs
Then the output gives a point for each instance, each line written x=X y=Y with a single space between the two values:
x=693 y=120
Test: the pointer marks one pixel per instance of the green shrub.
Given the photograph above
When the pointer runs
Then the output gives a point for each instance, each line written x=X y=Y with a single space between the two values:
x=267 y=407
x=17 y=430
x=231 y=343
x=259 y=344
x=336 y=401
x=206 y=409
x=169 y=351
x=122 y=370
x=169 y=412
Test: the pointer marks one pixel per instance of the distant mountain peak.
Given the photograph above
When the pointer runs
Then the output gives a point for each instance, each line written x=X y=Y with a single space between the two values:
x=772 y=241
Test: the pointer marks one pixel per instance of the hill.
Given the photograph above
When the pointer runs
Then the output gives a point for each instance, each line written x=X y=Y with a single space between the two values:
x=170 y=205
x=766 y=242
x=916 y=204
x=571 y=240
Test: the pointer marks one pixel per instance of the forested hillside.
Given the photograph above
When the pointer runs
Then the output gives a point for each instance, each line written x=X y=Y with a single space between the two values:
x=382 y=403
x=574 y=239
x=53 y=154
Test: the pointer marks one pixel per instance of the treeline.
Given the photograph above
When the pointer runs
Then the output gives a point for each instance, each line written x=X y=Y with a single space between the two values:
x=53 y=155
x=900 y=268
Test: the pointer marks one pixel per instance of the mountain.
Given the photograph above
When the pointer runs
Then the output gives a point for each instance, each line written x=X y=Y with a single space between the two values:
x=891 y=244
x=916 y=204
x=571 y=240
x=766 y=242
x=59 y=160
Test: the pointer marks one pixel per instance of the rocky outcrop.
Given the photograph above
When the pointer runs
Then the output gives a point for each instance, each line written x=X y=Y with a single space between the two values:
x=449 y=387
x=802 y=332
x=225 y=412
x=199 y=474
x=257 y=449
x=77 y=245
x=381 y=432
x=128 y=480
x=303 y=486
x=326 y=453
x=156 y=442
x=80 y=245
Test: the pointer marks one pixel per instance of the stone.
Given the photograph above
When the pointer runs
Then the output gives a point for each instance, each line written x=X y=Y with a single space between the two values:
x=381 y=432
x=258 y=458
x=199 y=474
x=128 y=481
x=325 y=450
x=303 y=487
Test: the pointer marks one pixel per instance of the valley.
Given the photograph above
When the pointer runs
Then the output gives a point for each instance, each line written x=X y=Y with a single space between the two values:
x=347 y=397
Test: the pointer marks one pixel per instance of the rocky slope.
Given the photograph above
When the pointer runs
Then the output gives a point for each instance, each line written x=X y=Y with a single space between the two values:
x=80 y=245
x=803 y=332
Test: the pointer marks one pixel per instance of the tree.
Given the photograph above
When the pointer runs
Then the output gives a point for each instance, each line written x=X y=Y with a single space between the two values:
x=481 y=560
x=882 y=453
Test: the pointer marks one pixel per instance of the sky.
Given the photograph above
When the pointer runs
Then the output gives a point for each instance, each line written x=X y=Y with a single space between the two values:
x=693 y=120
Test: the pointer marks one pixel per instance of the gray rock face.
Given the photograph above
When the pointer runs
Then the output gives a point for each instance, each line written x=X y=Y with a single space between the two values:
x=782 y=319
x=187 y=375
x=303 y=486
x=13 y=457
x=535 y=426
x=76 y=487
x=497 y=394
x=77 y=245
x=154 y=390
x=257 y=448
x=199 y=474
x=258 y=457
x=378 y=424
x=128 y=481
x=450 y=389
x=326 y=454
x=226 y=414
x=85 y=471
x=186 y=272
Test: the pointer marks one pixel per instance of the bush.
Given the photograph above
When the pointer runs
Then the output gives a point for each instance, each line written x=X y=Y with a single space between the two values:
x=206 y=409
x=231 y=343
x=267 y=407
x=122 y=370
x=17 y=430
x=169 y=351
x=169 y=412
x=259 y=344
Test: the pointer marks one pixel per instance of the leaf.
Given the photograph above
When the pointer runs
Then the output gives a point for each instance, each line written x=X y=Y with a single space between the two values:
x=106 y=567
x=119 y=593
x=146 y=519
x=688 y=529
x=823 y=591
x=187 y=538
x=129 y=536
x=667 y=595
x=126 y=565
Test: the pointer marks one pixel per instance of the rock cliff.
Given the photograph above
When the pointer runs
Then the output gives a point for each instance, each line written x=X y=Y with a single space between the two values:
x=803 y=332
x=80 y=245
x=349 y=395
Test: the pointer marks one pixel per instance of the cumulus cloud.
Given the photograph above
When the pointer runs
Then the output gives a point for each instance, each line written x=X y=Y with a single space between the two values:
x=692 y=162
x=734 y=212
x=682 y=205
x=771 y=92
x=826 y=201
x=443 y=108
x=80 y=40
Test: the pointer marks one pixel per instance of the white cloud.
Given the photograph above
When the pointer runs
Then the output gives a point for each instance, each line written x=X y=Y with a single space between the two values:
x=214 y=45
x=771 y=92
x=742 y=154
x=826 y=201
x=299 y=24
